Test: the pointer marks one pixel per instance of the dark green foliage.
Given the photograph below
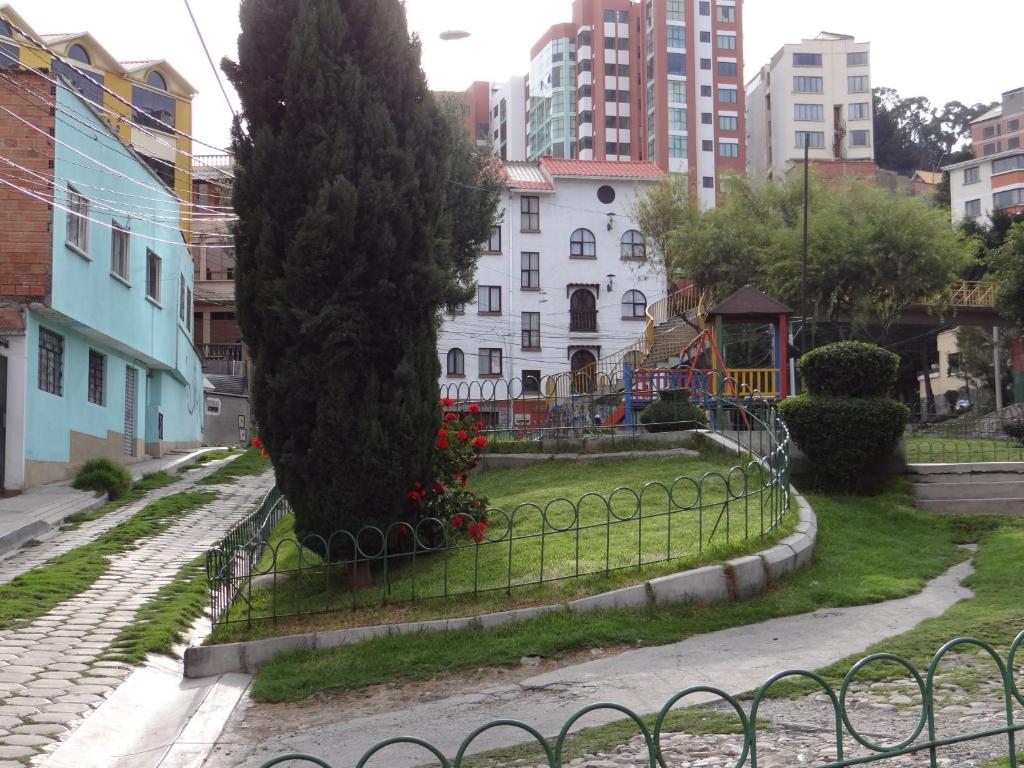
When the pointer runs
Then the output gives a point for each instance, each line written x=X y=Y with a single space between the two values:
x=1015 y=430
x=672 y=412
x=103 y=475
x=361 y=212
x=844 y=436
x=849 y=369
x=1009 y=273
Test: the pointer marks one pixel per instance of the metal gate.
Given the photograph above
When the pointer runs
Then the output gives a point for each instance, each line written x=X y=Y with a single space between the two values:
x=130 y=396
x=3 y=421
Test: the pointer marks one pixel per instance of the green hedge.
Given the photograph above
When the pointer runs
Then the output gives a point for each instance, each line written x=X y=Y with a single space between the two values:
x=849 y=369
x=103 y=475
x=671 y=414
x=843 y=436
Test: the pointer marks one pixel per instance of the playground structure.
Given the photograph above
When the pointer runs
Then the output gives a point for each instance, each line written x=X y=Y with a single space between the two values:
x=610 y=394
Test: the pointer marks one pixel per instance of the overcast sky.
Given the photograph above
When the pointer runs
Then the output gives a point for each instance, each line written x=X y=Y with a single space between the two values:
x=944 y=50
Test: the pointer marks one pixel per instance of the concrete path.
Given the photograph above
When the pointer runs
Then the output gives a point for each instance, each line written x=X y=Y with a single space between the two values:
x=735 y=660
x=34 y=514
x=52 y=671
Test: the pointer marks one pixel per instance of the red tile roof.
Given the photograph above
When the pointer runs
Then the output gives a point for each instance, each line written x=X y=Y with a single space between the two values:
x=624 y=169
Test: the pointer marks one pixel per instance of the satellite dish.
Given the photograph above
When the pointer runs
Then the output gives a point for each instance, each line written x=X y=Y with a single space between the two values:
x=454 y=34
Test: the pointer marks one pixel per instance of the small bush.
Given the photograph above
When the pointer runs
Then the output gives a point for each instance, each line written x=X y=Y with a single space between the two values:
x=1015 y=430
x=103 y=475
x=849 y=369
x=843 y=436
x=672 y=413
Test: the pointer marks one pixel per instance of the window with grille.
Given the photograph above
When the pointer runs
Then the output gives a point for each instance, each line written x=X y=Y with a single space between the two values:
x=489 y=300
x=582 y=245
x=531 y=330
x=490 y=361
x=633 y=246
x=530 y=208
x=494 y=243
x=634 y=305
x=97 y=376
x=530 y=271
x=120 y=248
x=78 y=221
x=51 y=362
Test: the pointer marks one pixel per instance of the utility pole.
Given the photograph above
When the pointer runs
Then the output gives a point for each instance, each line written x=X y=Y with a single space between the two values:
x=803 y=282
x=998 y=361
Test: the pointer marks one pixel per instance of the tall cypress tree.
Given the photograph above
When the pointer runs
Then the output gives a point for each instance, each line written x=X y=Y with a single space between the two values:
x=361 y=211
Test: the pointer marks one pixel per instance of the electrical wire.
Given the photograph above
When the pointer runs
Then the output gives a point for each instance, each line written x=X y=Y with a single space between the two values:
x=216 y=74
x=39 y=45
x=104 y=132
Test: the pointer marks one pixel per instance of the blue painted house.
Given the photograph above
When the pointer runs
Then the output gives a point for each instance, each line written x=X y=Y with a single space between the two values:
x=96 y=293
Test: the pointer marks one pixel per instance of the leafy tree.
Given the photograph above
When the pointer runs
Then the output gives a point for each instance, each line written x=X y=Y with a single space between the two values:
x=1008 y=264
x=668 y=207
x=361 y=212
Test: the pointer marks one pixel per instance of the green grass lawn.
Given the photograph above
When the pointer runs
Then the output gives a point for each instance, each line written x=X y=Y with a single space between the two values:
x=625 y=533
x=147 y=483
x=869 y=550
x=248 y=463
x=928 y=449
x=614 y=443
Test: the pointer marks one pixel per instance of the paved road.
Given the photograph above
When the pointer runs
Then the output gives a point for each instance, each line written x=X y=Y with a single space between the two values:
x=52 y=672
x=735 y=660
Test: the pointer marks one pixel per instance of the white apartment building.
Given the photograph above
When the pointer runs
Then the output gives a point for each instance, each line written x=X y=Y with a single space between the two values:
x=564 y=280
x=817 y=90
x=508 y=119
x=995 y=180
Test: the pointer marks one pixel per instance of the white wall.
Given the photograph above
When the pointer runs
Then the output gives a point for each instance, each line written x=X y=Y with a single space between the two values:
x=960 y=193
x=573 y=205
x=514 y=93
x=14 y=470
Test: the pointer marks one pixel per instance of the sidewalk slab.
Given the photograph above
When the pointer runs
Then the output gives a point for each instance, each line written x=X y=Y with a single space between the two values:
x=37 y=512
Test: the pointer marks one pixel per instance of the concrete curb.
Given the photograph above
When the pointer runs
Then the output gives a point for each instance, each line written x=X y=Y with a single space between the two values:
x=737 y=579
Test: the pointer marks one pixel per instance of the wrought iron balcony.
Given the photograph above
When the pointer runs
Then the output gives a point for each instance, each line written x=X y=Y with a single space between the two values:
x=584 y=321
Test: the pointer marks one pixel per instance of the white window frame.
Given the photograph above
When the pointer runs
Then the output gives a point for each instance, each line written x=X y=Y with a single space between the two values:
x=77 y=231
x=120 y=258
x=153 y=259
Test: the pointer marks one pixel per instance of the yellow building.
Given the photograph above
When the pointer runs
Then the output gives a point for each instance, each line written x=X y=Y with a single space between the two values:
x=151 y=94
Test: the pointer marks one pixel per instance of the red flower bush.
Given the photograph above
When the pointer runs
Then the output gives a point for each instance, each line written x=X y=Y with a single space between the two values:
x=256 y=442
x=446 y=496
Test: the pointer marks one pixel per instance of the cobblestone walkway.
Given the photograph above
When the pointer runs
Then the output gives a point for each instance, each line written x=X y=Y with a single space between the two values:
x=27 y=558
x=52 y=672
x=802 y=731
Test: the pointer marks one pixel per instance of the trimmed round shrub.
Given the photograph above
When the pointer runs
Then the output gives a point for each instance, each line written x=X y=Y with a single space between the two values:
x=844 y=436
x=672 y=413
x=103 y=475
x=849 y=369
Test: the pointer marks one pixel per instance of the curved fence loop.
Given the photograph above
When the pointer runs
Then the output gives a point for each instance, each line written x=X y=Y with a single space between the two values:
x=296 y=757
x=732 y=701
x=537 y=736
x=1011 y=667
x=653 y=756
x=762 y=692
x=368 y=755
x=844 y=689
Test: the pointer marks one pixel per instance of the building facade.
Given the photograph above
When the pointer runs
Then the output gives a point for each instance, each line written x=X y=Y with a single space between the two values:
x=148 y=104
x=551 y=95
x=95 y=294
x=816 y=91
x=564 y=280
x=508 y=119
x=994 y=180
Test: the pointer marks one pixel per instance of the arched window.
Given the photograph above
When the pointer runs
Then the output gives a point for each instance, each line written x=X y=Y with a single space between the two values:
x=582 y=245
x=78 y=53
x=156 y=80
x=633 y=245
x=584 y=370
x=634 y=305
x=456 y=362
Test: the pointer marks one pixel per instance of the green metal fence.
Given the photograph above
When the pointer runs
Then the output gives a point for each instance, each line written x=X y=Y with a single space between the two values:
x=993 y=437
x=252 y=578
x=924 y=737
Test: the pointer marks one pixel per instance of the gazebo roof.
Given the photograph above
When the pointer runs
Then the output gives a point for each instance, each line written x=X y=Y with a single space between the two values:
x=749 y=302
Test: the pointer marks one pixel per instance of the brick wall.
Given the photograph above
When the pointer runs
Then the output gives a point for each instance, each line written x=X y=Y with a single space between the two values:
x=25 y=241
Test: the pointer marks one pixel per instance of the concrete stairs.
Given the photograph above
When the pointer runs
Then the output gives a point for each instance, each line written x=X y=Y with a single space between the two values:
x=992 y=488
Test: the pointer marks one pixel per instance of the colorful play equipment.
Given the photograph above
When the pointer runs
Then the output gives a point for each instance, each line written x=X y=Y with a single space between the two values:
x=702 y=366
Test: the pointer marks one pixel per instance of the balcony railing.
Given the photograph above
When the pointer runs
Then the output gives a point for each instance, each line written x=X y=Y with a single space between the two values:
x=583 y=321
x=231 y=353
